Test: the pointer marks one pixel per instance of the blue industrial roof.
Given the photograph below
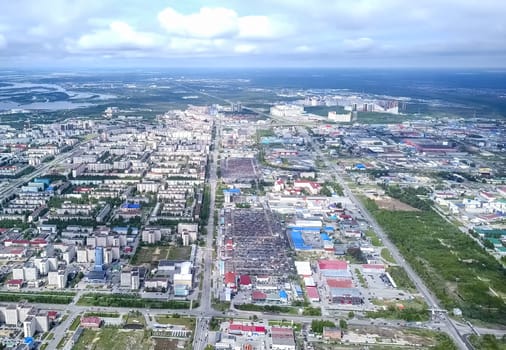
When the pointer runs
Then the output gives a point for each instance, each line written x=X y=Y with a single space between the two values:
x=298 y=241
x=131 y=206
x=283 y=294
x=325 y=237
x=232 y=190
x=299 y=228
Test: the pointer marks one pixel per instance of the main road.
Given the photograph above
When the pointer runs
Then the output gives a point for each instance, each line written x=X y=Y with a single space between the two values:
x=205 y=307
x=42 y=168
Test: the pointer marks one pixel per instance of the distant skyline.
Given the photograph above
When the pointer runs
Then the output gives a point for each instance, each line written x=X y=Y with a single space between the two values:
x=259 y=33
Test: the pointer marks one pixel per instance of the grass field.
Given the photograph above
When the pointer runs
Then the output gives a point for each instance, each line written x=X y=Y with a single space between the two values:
x=296 y=326
x=113 y=338
x=188 y=322
x=150 y=255
x=134 y=318
x=179 y=253
x=385 y=254
x=375 y=241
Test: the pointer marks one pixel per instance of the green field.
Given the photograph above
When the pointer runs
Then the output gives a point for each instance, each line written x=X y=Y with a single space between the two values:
x=385 y=254
x=130 y=300
x=454 y=267
x=134 y=317
x=401 y=278
x=179 y=253
x=149 y=254
x=375 y=241
x=38 y=297
x=188 y=322
x=113 y=338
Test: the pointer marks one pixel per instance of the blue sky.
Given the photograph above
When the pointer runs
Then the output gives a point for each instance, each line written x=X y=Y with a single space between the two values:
x=253 y=33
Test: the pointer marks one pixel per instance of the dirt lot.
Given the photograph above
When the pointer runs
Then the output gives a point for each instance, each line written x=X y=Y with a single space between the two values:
x=168 y=344
x=389 y=203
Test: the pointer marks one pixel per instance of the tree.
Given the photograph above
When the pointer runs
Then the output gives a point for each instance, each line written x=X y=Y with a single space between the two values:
x=351 y=314
x=343 y=324
x=488 y=244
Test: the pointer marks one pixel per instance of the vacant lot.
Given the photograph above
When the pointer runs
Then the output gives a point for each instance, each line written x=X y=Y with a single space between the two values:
x=179 y=253
x=112 y=338
x=389 y=203
x=150 y=255
x=169 y=344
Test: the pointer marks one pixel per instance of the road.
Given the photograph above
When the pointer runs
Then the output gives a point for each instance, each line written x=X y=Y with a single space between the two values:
x=205 y=307
x=41 y=169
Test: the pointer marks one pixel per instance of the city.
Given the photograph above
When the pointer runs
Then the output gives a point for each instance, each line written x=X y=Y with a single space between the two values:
x=267 y=175
x=224 y=226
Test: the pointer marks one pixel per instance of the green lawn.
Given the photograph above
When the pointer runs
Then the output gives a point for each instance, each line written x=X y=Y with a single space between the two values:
x=75 y=323
x=188 y=322
x=401 y=278
x=135 y=317
x=179 y=253
x=375 y=241
x=150 y=255
x=296 y=326
x=385 y=254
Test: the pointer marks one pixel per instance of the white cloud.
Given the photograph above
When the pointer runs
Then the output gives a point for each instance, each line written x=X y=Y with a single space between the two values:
x=3 y=41
x=358 y=45
x=257 y=27
x=207 y=23
x=303 y=48
x=218 y=22
x=195 y=45
x=245 y=48
x=119 y=35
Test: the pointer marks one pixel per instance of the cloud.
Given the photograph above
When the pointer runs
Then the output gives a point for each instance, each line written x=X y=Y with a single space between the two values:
x=245 y=48
x=119 y=35
x=207 y=23
x=358 y=45
x=319 y=31
x=217 y=22
x=3 y=41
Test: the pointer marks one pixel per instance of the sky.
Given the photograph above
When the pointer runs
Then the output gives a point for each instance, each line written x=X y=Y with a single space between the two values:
x=253 y=33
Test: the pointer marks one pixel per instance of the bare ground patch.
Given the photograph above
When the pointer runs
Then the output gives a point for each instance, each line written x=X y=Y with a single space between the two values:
x=389 y=203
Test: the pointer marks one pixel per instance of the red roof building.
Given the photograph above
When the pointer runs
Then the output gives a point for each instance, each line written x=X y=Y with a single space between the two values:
x=52 y=315
x=245 y=281
x=229 y=279
x=91 y=322
x=312 y=293
x=15 y=284
x=339 y=283
x=332 y=265
x=240 y=328
x=16 y=242
x=258 y=296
